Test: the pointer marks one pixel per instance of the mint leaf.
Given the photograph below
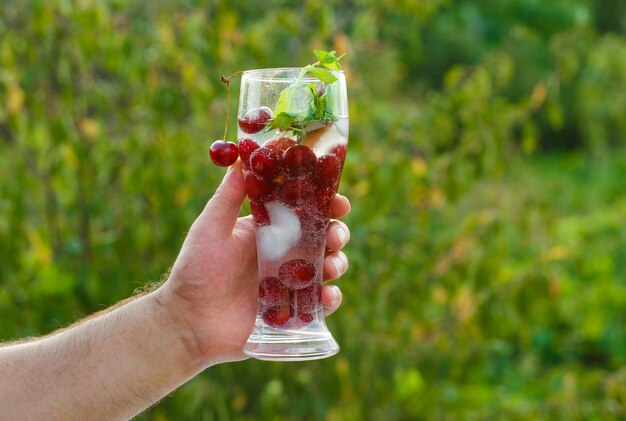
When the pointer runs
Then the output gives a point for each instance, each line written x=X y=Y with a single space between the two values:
x=282 y=121
x=294 y=100
x=322 y=55
x=323 y=75
x=327 y=59
x=301 y=105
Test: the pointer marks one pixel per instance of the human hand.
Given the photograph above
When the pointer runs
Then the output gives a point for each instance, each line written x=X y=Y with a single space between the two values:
x=212 y=290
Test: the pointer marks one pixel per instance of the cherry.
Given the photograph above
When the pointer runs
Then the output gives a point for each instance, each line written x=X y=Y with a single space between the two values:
x=223 y=153
x=306 y=318
x=259 y=214
x=246 y=147
x=340 y=152
x=297 y=273
x=255 y=119
x=276 y=316
x=265 y=163
x=258 y=190
x=272 y=292
x=295 y=193
x=311 y=220
x=323 y=199
x=299 y=160
x=327 y=171
x=279 y=145
x=307 y=299
x=313 y=240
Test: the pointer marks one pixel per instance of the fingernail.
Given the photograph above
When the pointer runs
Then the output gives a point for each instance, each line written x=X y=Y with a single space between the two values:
x=335 y=292
x=342 y=235
x=339 y=266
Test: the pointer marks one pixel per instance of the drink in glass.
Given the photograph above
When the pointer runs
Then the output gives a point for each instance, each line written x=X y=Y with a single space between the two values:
x=293 y=134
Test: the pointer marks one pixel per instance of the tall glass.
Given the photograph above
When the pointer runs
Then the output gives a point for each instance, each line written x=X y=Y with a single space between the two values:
x=291 y=178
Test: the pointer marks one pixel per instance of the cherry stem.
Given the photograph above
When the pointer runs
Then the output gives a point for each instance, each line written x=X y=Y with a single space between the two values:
x=227 y=80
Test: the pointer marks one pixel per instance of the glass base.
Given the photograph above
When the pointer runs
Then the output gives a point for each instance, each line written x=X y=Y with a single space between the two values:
x=313 y=342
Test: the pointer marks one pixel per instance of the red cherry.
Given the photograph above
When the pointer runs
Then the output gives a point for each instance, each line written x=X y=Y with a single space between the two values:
x=323 y=199
x=340 y=152
x=273 y=293
x=276 y=316
x=297 y=273
x=259 y=214
x=313 y=226
x=255 y=119
x=246 y=147
x=299 y=160
x=295 y=193
x=311 y=220
x=313 y=240
x=309 y=299
x=259 y=191
x=279 y=145
x=265 y=163
x=327 y=171
x=306 y=318
x=223 y=153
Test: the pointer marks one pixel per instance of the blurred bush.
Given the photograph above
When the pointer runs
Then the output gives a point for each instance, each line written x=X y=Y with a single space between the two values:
x=487 y=252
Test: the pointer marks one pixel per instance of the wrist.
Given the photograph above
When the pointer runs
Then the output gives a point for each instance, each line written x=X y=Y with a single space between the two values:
x=172 y=318
x=206 y=340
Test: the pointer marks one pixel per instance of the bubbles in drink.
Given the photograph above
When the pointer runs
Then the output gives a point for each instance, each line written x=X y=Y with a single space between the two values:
x=291 y=185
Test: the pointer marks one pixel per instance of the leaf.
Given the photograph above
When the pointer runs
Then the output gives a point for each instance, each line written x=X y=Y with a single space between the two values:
x=323 y=75
x=327 y=59
x=322 y=55
x=282 y=121
x=294 y=100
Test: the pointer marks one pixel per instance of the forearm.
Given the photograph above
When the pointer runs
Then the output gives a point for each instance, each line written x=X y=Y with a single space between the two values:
x=111 y=366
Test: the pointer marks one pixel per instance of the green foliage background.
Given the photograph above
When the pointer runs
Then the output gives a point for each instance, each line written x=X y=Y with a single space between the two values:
x=486 y=170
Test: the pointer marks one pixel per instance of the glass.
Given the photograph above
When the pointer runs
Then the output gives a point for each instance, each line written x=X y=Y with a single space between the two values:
x=291 y=178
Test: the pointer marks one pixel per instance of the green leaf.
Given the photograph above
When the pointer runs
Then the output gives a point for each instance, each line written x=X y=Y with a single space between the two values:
x=282 y=121
x=323 y=55
x=323 y=75
x=294 y=100
x=327 y=59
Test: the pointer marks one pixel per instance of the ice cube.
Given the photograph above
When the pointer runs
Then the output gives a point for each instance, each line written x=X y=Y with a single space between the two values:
x=276 y=239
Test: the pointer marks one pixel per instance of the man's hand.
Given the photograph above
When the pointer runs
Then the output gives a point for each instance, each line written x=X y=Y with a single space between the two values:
x=212 y=290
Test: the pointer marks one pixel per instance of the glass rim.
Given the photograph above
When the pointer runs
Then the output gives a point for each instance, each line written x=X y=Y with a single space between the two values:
x=252 y=74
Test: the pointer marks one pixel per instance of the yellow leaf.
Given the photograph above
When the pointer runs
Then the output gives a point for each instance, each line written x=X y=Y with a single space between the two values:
x=538 y=96
x=15 y=99
x=240 y=402
x=361 y=188
x=182 y=195
x=90 y=128
x=555 y=253
x=419 y=166
x=437 y=198
x=40 y=250
x=465 y=304
x=342 y=367
x=69 y=156
x=439 y=295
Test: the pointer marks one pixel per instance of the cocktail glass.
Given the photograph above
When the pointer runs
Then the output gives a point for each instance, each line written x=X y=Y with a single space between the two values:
x=291 y=178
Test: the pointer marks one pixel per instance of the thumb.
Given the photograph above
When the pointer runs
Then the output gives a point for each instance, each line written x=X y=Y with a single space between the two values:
x=221 y=212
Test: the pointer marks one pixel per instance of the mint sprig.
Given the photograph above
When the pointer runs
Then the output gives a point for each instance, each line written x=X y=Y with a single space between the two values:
x=301 y=105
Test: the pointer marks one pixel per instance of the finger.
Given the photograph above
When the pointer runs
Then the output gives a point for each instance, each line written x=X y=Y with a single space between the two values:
x=335 y=265
x=337 y=235
x=220 y=213
x=331 y=299
x=340 y=206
